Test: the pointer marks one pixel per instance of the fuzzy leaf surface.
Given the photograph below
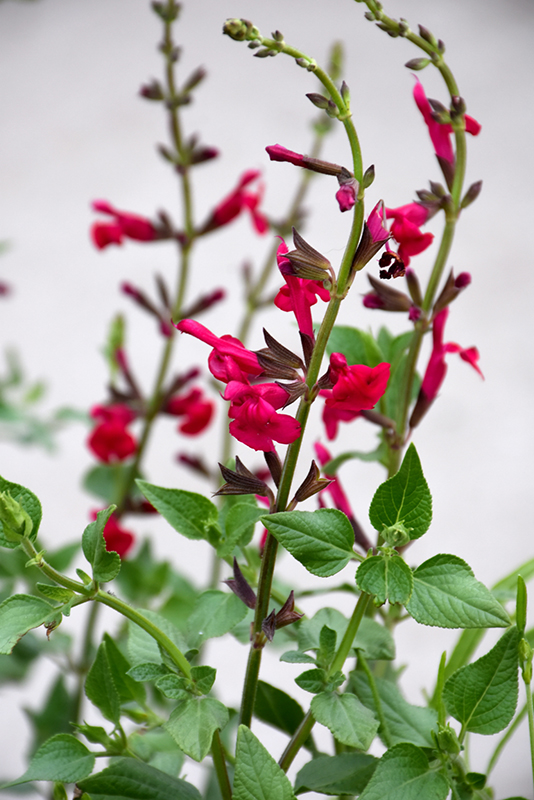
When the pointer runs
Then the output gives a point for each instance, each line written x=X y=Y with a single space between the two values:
x=385 y=577
x=193 y=723
x=358 y=346
x=215 y=614
x=239 y=527
x=106 y=565
x=403 y=774
x=189 y=513
x=100 y=687
x=321 y=540
x=62 y=758
x=404 y=498
x=31 y=505
x=483 y=695
x=19 y=614
x=347 y=773
x=446 y=594
x=346 y=718
x=375 y=641
x=129 y=779
x=257 y=775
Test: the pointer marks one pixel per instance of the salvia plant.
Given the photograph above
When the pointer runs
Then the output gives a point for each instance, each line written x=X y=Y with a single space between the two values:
x=149 y=676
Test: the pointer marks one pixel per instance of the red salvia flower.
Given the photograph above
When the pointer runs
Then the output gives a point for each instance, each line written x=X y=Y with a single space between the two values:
x=110 y=440
x=123 y=225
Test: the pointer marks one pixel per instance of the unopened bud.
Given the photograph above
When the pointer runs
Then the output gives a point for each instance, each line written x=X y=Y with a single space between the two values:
x=335 y=65
x=194 y=79
x=441 y=46
x=278 y=36
x=241 y=587
x=471 y=195
x=417 y=63
x=168 y=12
x=368 y=176
x=318 y=100
x=429 y=37
x=345 y=94
x=458 y=105
x=404 y=28
x=312 y=484
x=448 y=740
x=16 y=522
x=152 y=91
x=414 y=287
x=241 y=29
x=462 y=280
x=265 y=52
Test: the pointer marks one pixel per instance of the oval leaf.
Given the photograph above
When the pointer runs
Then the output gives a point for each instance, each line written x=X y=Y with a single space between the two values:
x=106 y=565
x=403 y=772
x=446 y=594
x=386 y=578
x=346 y=718
x=214 y=614
x=135 y=780
x=31 y=505
x=62 y=758
x=193 y=723
x=189 y=513
x=321 y=540
x=257 y=775
x=19 y=614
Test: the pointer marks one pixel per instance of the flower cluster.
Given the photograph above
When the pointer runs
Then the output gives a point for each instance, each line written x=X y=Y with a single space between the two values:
x=195 y=409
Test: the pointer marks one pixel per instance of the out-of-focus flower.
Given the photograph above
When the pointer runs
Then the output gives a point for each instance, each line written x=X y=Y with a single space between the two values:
x=238 y=200
x=123 y=226
x=437 y=367
x=440 y=134
x=299 y=294
x=406 y=229
x=279 y=153
x=229 y=359
x=110 y=439
x=374 y=236
x=256 y=422
x=118 y=539
x=196 y=410
x=346 y=195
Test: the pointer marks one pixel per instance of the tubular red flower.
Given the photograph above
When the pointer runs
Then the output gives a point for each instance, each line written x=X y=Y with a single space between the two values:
x=256 y=421
x=229 y=360
x=356 y=387
x=406 y=230
x=279 y=153
x=299 y=294
x=196 y=410
x=440 y=134
x=118 y=539
x=110 y=440
x=124 y=225
x=346 y=196
x=238 y=200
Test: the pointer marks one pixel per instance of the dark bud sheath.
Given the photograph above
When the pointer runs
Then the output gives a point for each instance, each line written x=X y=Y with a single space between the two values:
x=414 y=287
x=277 y=361
x=241 y=588
x=272 y=459
x=194 y=79
x=241 y=481
x=429 y=37
x=311 y=484
x=471 y=195
x=307 y=347
x=367 y=248
x=294 y=390
x=286 y=616
x=447 y=169
x=451 y=290
x=204 y=302
x=152 y=91
x=268 y=625
x=392 y=299
x=458 y=106
x=194 y=463
x=306 y=261
x=421 y=407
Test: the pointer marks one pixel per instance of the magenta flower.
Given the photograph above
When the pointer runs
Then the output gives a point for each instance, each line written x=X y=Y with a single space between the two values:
x=124 y=225
x=279 y=153
x=346 y=196
x=256 y=422
x=197 y=411
x=237 y=201
x=229 y=359
x=437 y=367
x=110 y=440
x=407 y=221
x=299 y=294
x=440 y=134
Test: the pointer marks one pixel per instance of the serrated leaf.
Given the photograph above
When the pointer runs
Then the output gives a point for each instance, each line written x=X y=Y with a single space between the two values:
x=347 y=773
x=214 y=614
x=297 y=657
x=189 y=513
x=405 y=722
x=62 y=758
x=19 y=614
x=172 y=686
x=204 y=677
x=403 y=774
x=147 y=672
x=358 y=347
x=193 y=723
x=346 y=718
x=55 y=593
x=31 y=505
x=321 y=540
x=127 y=687
x=405 y=498
x=239 y=527
x=257 y=775
x=386 y=578
x=106 y=565
x=130 y=779
x=483 y=695
x=375 y=641
x=100 y=687
x=276 y=708
x=446 y=594
x=313 y=680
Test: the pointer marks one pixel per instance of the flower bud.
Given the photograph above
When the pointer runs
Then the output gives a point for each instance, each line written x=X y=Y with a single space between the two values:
x=471 y=195
x=429 y=37
x=152 y=91
x=335 y=66
x=345 y=94
x=448 y=740
x=240 y=29
x=368 y=177
x=16 y=522
x=194 y=79
x=417 y=63
x=414 y=287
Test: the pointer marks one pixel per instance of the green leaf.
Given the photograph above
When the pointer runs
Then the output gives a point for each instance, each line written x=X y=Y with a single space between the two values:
x=189 y=513
x=127 y=687
x=257 y=775
x=332 y=466
x=403 y=774
x=193 y=723
x=357 y=346
x=55 y=714
x=129 y=779
x=100 y=687
x=446 y=594
x=19 y=614
x=506 y=588
x=157 y=748
x=204 y=677
x=387 y=577
x=483 y=695
x=403 y=499
x=173 y=686
x=106 y=565
x=347 y=773
x=107 y=482
x=62 y=758
x=321 y=540
x=276 y=708
x=142 y=648
x=346 y=718
x=239 y=527
x=375 y=641
x=147 y=672
x=405 y=722
x=31 y=505
x=215 y=614
x=313 y=680
x=55 y=593
x=297 y=657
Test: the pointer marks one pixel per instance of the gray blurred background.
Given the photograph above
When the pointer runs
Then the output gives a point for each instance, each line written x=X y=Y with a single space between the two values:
x=74 y=129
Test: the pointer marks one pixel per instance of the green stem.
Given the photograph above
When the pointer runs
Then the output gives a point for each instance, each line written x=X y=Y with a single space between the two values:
x=530 y=712
x=296 y=742
x=219 y=763
x=84 y=662
x=384 y=730
x=54 y=575
x=135 y=616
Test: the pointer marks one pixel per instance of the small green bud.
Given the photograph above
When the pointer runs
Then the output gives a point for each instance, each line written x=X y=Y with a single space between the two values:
x=277 y=36
x=265 y=52
x=335 y=64
x=417 y=63
x=404 y=28
x=345 y=94
x=525 y=650
x=397 y=534
x=521 y=606
x=472 y=193
x=429 y=37
x=16 y=522
x=369 y=15
x=241 y=30
x=84 y=577
x=448 y=740
x=368 y=176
